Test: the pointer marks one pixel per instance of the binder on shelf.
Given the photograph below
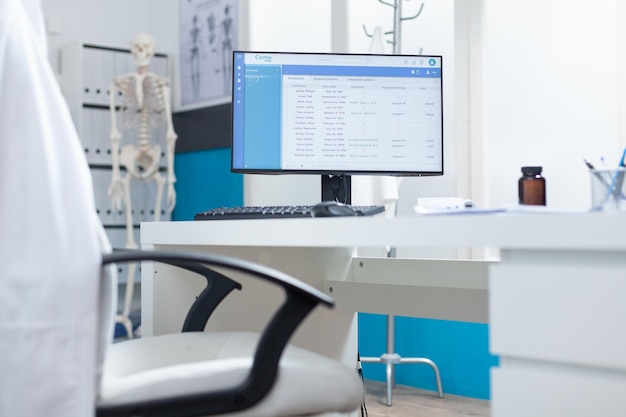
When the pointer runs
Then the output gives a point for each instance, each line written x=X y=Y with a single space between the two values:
x=90 y=58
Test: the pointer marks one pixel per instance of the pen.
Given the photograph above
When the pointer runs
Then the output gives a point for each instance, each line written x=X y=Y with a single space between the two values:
x=603 y=162
x=616 y=183
x=597 y=174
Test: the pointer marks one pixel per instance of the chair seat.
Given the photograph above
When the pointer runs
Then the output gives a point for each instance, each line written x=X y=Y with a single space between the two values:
x=198 y=362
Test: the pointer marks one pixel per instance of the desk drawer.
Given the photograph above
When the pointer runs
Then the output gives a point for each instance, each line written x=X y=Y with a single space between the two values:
x=524 y=391
x=572 y=314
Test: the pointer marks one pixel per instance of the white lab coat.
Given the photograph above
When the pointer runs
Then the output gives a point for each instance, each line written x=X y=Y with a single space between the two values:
x=49 y=235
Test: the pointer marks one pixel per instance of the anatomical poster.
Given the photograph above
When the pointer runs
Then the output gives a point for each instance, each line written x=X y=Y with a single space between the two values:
x=208 y=36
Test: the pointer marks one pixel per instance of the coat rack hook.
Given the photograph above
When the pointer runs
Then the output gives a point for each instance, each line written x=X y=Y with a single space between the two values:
x=415 y=16
x=397 y=23
x=369 y=35
x=388 y=4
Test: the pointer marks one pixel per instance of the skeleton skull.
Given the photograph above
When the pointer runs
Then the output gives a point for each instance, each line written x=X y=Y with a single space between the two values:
x=142 y=48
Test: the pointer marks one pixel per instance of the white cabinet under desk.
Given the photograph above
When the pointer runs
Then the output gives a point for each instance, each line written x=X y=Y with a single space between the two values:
x=555 y=300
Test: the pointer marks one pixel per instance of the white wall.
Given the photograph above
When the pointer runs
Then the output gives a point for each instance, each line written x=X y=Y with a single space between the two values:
x=109 y=23
x=550 y=91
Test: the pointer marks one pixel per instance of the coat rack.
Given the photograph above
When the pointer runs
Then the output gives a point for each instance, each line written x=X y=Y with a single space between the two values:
x=396 y=33
x=390 y=358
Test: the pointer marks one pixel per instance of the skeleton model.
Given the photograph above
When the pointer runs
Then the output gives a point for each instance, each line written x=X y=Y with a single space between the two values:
x=145 y=102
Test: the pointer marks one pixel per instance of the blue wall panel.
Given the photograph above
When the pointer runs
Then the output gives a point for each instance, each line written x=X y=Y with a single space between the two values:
x=204 y=181
x=459 y=349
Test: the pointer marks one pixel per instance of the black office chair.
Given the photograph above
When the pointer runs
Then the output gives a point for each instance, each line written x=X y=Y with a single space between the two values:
x=51 y=278
x=197 y=373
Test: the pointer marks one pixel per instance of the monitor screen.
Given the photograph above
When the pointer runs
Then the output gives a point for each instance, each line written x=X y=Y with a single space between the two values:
x=337 y=114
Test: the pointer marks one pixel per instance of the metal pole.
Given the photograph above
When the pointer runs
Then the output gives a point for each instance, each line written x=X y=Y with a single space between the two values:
x=397 y=21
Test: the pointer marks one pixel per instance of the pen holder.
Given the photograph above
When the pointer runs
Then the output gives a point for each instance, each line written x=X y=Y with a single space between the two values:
x=608 y=192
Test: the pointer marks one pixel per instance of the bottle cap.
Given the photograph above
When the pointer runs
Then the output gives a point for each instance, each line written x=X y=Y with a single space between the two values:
x=531 y=170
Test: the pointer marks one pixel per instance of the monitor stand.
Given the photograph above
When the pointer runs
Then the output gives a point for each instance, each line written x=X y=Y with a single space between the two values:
x=336 y=188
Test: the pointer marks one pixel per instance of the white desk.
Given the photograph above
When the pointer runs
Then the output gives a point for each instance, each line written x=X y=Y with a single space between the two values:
x=556 y=301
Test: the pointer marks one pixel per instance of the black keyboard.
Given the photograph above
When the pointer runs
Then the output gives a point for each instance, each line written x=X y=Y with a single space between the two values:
x=273 y=212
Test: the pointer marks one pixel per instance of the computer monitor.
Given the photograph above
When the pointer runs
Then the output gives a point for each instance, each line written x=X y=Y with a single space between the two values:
x=337 y=115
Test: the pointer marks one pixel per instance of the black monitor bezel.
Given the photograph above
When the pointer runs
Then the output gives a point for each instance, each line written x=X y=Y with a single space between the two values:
x=274 y=171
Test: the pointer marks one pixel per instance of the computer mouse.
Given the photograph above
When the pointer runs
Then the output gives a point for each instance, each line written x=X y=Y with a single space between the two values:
x=332 y=209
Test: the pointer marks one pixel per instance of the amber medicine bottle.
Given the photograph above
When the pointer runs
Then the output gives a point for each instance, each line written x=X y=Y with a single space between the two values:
x=532 y=187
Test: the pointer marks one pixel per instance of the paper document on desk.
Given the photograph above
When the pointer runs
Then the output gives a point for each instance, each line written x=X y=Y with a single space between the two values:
x=461 y=210
x=532 y=209
x=449 y=205
x=514 y=209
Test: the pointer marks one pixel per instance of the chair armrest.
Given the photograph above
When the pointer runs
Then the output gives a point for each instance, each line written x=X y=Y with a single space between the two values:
x=217 y=288
x=300 y=300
